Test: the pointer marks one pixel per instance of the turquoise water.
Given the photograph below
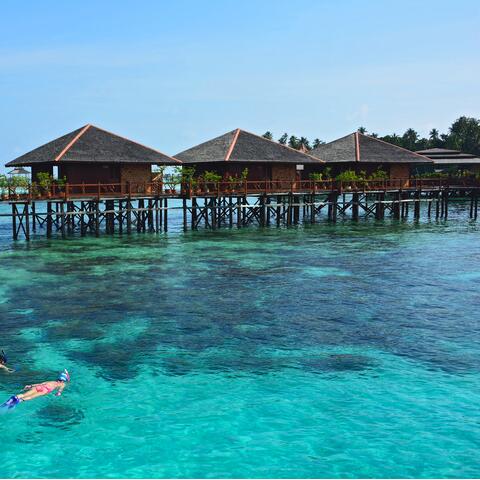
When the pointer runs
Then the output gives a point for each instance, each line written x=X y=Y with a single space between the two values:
x=318 y=351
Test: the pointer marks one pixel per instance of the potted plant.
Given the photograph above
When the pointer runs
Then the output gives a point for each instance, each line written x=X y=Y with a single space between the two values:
x=232 y=184
x=3 y=187
x=349 y=176
x=45 y=182
x=60 y=183
x=187 y=180
x=211 y=180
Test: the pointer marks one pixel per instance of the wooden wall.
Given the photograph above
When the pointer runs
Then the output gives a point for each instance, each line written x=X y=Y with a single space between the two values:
x=105 y=173
x=42 y=168
x=256 y=171
x=136 y=173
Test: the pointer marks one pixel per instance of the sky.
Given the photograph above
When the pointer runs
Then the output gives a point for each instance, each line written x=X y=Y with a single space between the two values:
x=171 y=74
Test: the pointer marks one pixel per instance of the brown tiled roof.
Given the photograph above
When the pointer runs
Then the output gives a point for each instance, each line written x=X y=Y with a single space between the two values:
x=241 y=146
x=443 y=156
x=93 y=144
x=357 y=147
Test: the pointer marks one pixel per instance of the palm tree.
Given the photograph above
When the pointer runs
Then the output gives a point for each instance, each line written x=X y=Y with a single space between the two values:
x=283 y=139
x=362 y=130
x=268 y=135
x=293 y=142
x=317 y=142
x=410 y=139
x=434 y=138
x=303 y=142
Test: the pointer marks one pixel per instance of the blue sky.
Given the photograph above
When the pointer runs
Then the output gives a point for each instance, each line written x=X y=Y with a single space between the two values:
x=171 y=74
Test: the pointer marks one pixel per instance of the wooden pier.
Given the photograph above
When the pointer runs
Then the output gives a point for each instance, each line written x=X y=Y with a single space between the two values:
x=128 y=208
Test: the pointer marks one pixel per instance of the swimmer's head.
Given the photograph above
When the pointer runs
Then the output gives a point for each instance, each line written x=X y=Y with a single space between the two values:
x=3 y=358
x=64 y=376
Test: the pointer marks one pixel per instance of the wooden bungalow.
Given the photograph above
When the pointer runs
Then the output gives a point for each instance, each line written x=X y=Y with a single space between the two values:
x=91 y=155
x=230 y=154
x=360 y=152
x=444 y=159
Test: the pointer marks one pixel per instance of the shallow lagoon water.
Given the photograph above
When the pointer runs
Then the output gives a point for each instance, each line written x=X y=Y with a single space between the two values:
x=319 y=351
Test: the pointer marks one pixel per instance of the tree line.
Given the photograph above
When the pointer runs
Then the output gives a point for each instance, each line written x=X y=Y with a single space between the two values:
x=463 y=135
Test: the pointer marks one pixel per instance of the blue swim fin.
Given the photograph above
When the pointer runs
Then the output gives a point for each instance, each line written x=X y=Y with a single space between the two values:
x=12 y=402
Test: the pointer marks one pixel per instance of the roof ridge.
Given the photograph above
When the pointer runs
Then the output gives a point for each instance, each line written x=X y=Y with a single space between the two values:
x=357 y=147
x=284 y=146
x=396 y=146
x=138 y=143
x=232 y=145
x=69 y=144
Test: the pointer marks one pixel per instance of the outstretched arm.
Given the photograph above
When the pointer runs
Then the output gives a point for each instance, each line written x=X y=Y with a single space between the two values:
x=6 y=368
x=60 y=390
x=28 y=387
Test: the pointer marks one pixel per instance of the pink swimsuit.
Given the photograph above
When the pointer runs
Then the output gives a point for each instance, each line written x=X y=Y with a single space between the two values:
x=42 y=388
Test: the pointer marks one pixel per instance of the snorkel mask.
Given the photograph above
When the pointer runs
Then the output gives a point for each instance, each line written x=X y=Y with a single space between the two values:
x=64 y=376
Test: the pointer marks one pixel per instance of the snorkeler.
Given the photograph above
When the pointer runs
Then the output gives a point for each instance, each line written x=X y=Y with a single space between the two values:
x=3 y=363
x=38 y=390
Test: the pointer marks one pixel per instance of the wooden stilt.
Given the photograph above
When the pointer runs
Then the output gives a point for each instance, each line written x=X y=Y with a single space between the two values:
x=446 y=195
x=62 y=219
x=161 y=214
x=194 y=214
x=83 y=206
x=416 y=210
x=278 y=210
x=120 y=217
x=184 y=206
x=239 y=212
x=165 y=216
x=34 y=218
x=14 y=222
x=129 y=216
x=355 y=205
x=49 y=219
x=157 y=216
x=97 y=218
x=262 y=210
x=476 y=205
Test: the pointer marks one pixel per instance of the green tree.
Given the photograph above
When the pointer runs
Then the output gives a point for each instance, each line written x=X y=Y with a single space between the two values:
x=434 y=138
x=303 y=142
x=268 y=135
x=464 y=135
x=362 y=130
x=393 y=138
x=294 y=142
x=283 y=139
x=410 y=139
x=317 y=142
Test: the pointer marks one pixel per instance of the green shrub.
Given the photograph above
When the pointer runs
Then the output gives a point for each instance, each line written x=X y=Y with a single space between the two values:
x=244 y=174
x=211 y=177
x=316 y=176
x=3 y=183
x=350 y=176
x=379 y=174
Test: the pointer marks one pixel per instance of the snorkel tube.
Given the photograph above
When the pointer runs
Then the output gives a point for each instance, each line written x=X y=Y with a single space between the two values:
x=64 y=376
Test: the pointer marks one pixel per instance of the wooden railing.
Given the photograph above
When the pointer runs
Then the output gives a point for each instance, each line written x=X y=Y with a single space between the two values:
x=235 y=188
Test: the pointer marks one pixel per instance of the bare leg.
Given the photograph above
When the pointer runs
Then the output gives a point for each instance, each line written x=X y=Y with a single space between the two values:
x=30 y=395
